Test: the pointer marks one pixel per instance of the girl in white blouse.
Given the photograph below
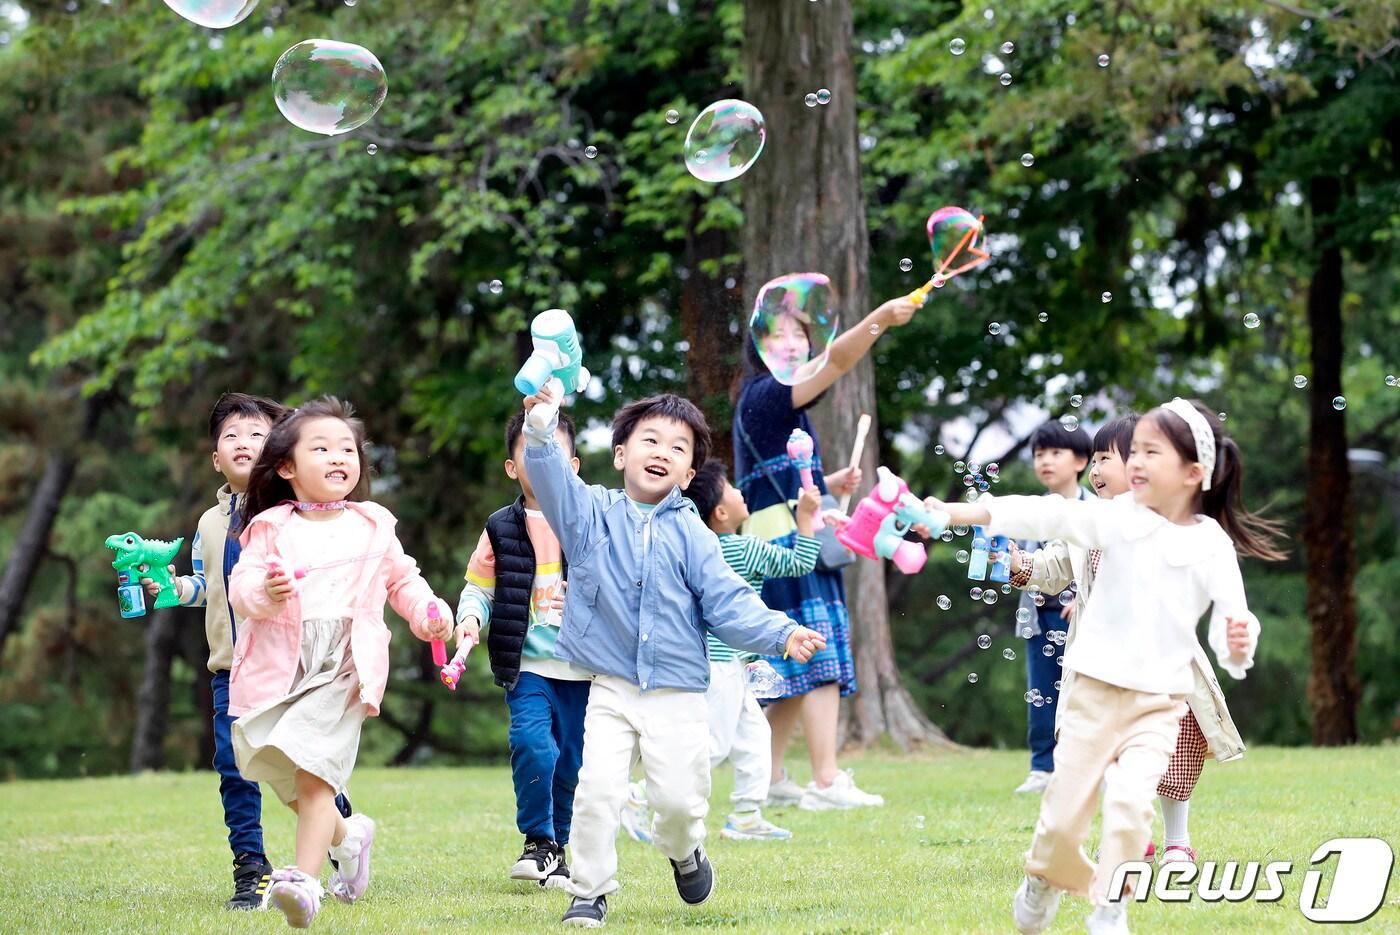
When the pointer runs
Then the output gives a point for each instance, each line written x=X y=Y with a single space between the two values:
x=1169 y=550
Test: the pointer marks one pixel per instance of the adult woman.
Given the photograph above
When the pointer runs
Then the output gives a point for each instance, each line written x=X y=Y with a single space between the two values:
x=766 y=413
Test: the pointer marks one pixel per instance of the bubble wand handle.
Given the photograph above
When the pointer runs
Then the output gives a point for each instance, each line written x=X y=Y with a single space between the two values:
x=862 y=428
x=451 y=673
x=799 y=448
x=439 y=646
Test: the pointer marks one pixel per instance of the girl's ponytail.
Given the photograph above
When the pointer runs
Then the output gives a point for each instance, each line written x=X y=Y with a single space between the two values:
x=1224 y=502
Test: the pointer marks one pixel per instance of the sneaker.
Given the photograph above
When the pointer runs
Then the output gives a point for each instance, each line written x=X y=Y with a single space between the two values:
x=784 y=792
x=351 y=876
x=587 y=913
x=1035 y=783
x=752 y=826
x=1108 y=920
x=842 y=793
x=537 y=861
x=1034 y=907
x=1177 y=853
x=252 y=875
x=695 y=877
x=297 y=895
x=559 y=876
x=636 y=816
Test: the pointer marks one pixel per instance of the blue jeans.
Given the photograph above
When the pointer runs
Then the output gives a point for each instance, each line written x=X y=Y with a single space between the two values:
x=546 y=748
x=1042 y=672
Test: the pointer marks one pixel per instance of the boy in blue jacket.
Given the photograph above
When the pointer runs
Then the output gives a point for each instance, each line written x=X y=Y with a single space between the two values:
x=647 y=581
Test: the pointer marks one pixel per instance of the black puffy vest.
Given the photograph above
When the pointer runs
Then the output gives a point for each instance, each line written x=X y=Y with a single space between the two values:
x=515 y=579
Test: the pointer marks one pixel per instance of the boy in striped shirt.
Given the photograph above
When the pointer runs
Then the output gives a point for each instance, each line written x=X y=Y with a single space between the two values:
x=738 y=730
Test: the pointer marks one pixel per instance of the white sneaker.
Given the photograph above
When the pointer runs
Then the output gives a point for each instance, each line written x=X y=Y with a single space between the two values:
x=1108 y=920
x=636 y=816
x=1035 y=783
x=752 y=826
x=1034 y=907
x=351 y=879
x=842 y=793
x=296 y=895
x=784 y=792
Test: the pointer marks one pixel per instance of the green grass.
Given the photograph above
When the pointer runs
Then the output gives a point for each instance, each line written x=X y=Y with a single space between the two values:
x=147 y=854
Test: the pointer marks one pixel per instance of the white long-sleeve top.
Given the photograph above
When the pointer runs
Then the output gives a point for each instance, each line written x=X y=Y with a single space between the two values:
x=1156 y=578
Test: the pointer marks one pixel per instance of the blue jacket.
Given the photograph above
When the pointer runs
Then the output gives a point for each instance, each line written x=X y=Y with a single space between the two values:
x=643 y=590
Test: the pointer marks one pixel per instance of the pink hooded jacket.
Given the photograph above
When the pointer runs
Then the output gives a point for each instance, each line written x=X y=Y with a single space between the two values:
x=265 y=658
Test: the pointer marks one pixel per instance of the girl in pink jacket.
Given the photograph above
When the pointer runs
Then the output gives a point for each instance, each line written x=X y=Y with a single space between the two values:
x=312 y=656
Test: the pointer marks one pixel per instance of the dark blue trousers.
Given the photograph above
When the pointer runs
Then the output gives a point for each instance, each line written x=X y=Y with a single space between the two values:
x=546 y=749
x=1042 y=672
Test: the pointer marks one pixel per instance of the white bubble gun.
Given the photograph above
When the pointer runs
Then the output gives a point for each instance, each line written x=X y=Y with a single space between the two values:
x=557 y=362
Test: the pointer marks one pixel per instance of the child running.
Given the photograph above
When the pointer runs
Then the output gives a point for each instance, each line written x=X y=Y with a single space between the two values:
x=648 y=581
x=1168 y=551
x=312 y=658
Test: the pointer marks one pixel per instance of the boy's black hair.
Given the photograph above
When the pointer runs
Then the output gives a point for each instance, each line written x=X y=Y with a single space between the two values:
x=241 y=404
x=665 y=406
x=1051 y=434
x=516 y=425
x=1117 y=435
x=707 y=487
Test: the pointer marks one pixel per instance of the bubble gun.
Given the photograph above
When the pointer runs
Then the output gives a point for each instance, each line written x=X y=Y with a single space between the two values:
x=144 y=558
x=449 y=672
x=985 y=546
x=557 y=361
x=881 y=519
x=799 y=449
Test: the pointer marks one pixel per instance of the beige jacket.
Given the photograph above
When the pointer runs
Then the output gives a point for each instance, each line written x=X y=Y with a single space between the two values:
x=1057 y=564
x=206 y=587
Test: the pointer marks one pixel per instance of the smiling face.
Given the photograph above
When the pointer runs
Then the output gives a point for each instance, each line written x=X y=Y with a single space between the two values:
x=1158 y=476
x=240 y=441
x=656 y=457
x=325 y=462
x=1108 y=472
x=786 y=346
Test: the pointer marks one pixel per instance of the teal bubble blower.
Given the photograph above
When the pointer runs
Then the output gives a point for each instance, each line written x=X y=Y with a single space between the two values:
x=557 y=361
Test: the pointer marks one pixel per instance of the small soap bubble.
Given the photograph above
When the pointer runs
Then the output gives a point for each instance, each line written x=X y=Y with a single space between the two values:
x=1059 y=660
x=1005 y=78
x=1043 y=317
x=1027 y=159
x=989 y=596
x=1103 y=60
x=938 y=449
x=994 y=328
x=1038 y=600
x=1007 y=48
x=1008 y=654
x=959 y=529
x=496 y=287
x=1300 y=381
x=371 y=149
x=1023 y=615
x=823 y=96
x=1392 y=380
x=1076 y=400
x=1106 y=298
x=974 y=468
x=939 y=280
x=984 y=642
x=1006 y=589
x=1038 y=702
x=1069 y=423
x=350 y=2
x=961 y=556
x=1026 y=633
x=972 y=677
x=1029 y=697
x=906 y=264
x=993 y=469
x=1066 y=596
x=810 y=99
x=730 y=135
x=1049 y=699
x=590 y=152
x=1339 y=403
x=673 y=116
x=957 y=46
x=1048 y=650
x=944 y=602
x=874 y=329
x=959 y=467
x=328 y=87
x=975 y=594
x=1220 y=416
x=946 y=535
x=1057 y=684
x=1251 y=320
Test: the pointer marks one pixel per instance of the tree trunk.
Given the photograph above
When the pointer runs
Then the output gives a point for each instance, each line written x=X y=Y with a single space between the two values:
x=1328 y=532
x=707 y=311
x=153 y=699
x=804 y=210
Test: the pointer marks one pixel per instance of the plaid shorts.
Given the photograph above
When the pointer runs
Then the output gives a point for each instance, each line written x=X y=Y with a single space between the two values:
x=1187 y=761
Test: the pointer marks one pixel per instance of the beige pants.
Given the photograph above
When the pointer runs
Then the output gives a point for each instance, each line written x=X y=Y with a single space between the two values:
x=671 y=731
x=1123 y=739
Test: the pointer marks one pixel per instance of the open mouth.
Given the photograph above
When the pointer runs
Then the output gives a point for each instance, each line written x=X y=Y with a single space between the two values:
x=655 y=470
x=242 y=459
x=340 y=476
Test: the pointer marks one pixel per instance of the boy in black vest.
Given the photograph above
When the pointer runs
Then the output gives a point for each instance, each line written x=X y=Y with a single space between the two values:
x=515 y=583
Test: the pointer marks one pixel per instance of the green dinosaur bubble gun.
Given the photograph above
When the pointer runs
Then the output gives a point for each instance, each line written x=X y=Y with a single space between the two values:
x=139 y=558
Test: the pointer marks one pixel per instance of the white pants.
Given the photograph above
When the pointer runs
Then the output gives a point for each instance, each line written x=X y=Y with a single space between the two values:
x=670 y=731
x=739 y=732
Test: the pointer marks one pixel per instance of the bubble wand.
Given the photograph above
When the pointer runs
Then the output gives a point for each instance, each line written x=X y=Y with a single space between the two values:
x=945 y=224
x=862 y=427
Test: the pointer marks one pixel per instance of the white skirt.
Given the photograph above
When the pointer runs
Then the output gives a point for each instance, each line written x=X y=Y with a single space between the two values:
x=316 y=726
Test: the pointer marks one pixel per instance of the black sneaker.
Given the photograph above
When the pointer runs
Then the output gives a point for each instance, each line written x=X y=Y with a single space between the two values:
x=695 y=878
x=252 y=875
x=560 y=874
x=537 y=861
x=587 y=913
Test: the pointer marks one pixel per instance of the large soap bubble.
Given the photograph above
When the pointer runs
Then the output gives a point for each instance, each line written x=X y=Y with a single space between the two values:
x=328 y=87
x=793 y=323
x=953 y=235
x=724 y=140
x=214 y=14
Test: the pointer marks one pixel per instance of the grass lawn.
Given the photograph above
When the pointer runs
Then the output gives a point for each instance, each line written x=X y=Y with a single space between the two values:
x=147 y=854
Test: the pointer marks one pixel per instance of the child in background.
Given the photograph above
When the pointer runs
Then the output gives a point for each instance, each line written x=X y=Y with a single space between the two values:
x=648 y=580
x=1168 y=552
x=1207 y=728
x=312 y=658
x=1061 y=457
x=515 y=584
x=738 y=730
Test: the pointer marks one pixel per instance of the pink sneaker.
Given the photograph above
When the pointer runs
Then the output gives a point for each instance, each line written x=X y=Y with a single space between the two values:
x=1177 y=853
x=297 y=895
x=349 y=882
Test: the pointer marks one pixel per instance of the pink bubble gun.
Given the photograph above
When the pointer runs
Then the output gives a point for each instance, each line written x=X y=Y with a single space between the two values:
x=799 y=449
x=881 y=519
x=449 y=672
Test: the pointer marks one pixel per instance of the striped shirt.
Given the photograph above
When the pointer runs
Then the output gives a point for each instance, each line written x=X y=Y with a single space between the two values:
x=755 y=560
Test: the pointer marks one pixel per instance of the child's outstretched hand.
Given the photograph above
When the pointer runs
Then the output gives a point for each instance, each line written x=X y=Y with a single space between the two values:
x=277 y=584
x=153 y=589
x=546 y=395
x=802 y=644
x=1237 y=638
x=809 y=506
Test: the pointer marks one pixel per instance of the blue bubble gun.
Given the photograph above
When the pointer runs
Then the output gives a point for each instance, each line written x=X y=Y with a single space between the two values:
x=984 y=547
x=557 y=361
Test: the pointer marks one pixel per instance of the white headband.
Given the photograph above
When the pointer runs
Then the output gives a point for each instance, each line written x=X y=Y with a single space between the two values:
x=1200 y=430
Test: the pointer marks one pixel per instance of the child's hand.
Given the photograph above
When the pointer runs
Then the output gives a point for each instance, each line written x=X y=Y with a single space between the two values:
x=835 y=518
x=1237 y=638
x=809 y=505
x=153 y=589
x=802 y=644
x=277 y=584
x=843 y=482
x=469 y=630
x=556 y=602
x=546 y=395
x=439 y=627
x=1067 y=608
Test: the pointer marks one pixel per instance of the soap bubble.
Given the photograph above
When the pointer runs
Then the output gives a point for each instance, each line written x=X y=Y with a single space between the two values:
x=939 y=280
x=1006 y=589
x=328 y=87
x=371 y=149
x=1392 y=380
x=673 y=116
x=1038 y=702
x=1220 y=416
x=1057 y=684
x=350 y=2
x=1007 y=48
x=959 y=529
x=972 y=677
x=1005 y=78
x=1066 y=596
x=724 y=140
x=906 y=264
x=1251 y=320
x=1027 y=633
x=1339 y=403
x=943 y=602
x=1027 y=159
x=957 y=46
x=1059 y=660
x=823 y=96
x=810 y=99
x=874 y=329
x=946 y=535
x=938 y=449
x=496 y=287
x=958 y=468
x=1076 y=400
x=975 y=594
x=591 y=152
x=1106 y=298
x=984 y=642
x=952 y=231
x=1300 y=381
x=1023 y=615
x=1103 y=60
x=1008 y=654
x=974 y=468
x=793 y=324
x=1048 y=650
x=989 y=596
x=961 y=557
x=1069 y=423
x=1043 y=316
x=994 y=327
x=214 y=14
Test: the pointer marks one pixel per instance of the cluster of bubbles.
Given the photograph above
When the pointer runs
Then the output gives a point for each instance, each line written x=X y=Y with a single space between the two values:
x=328 y=87
x=1036 y=699
x=976 y=477
x=820 y=96
x=725 y=140
x=793 y=323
